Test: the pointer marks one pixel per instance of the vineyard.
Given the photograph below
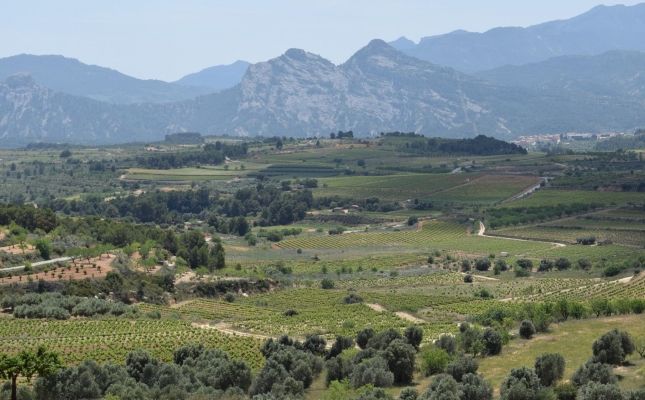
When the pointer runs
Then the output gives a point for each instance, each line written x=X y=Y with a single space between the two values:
x=110 y=340
x=620 y=226
x=391 y=187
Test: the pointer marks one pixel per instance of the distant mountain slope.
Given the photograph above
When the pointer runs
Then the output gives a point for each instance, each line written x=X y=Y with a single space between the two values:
x=30 y=113
x=68 y=75
x=615 y=73
x=601 y=29
x=217 y=78
x=378 y=89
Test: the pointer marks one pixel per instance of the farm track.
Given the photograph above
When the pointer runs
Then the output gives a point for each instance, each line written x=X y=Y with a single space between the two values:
x=482 y=232
x=226 y=329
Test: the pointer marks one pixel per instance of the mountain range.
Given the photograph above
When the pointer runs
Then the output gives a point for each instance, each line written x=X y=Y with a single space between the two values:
x=597 y=31
x=380 y=88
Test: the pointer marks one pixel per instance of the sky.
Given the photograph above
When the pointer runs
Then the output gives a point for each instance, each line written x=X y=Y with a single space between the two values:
x=164 y=39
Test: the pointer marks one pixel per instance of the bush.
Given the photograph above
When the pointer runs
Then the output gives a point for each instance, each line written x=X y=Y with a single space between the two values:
x=414 y=336
x=372 y=371
x=400 y=360
x=468 y=278
x=363 y=337
x=474 y=387
x=465 y=265
x=562 y=264
x=525 y=263
x=549 y=368
x=521 y=383
x=327 y=284
x=461 y=366
x=443 y=387
x=566 y=391
x=447 y=343
x=527 y=329
x=599 y=391
x=482 y=264
x=434 y=360
x=492 y=341
x=545 y=265
x=353 y=298
x=593 y=372
x=613 y=347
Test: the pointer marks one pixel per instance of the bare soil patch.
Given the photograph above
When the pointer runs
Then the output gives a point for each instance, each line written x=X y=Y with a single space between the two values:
x=80 y=269
x=409 y=317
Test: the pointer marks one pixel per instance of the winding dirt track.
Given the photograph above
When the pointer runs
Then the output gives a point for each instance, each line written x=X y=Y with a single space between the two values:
x=482 y=233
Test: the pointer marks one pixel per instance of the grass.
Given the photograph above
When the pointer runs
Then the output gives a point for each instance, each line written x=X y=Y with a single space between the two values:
x=573 y=340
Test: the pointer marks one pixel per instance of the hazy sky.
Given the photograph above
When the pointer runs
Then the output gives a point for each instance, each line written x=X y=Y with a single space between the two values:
x=166 y=39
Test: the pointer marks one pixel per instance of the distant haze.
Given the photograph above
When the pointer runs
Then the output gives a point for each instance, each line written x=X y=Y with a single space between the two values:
x=164 y=39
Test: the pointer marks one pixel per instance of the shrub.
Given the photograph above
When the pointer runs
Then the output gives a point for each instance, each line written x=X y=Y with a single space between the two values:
x=584 y=264
x=290 y=312
x=465 y=265
x=353 y=298
x=527 y=329
x=447 y=343
x=400 y=359
x=562 y=264
x=566 y=391
x=372 y=371
x=521 y=383
x=549 y=368
x=474 y=387
x=434 y=360
x=363 y=337
x=525 y=263
x=468 y=278
x=443 y=387
x=613 y=347
x=413 y=335
x=482 y=264
x=461 y=366
x=593 y=372
x=545 y=265
x=327 y=284
x=492 y=341
x=599 y=391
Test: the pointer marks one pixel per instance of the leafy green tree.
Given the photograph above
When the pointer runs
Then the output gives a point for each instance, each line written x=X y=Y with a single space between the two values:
x=27 y=364
x=400 y=359
x=44 y=247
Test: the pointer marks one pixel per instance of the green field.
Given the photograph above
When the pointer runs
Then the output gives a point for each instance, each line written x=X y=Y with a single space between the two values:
x=573 y=340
